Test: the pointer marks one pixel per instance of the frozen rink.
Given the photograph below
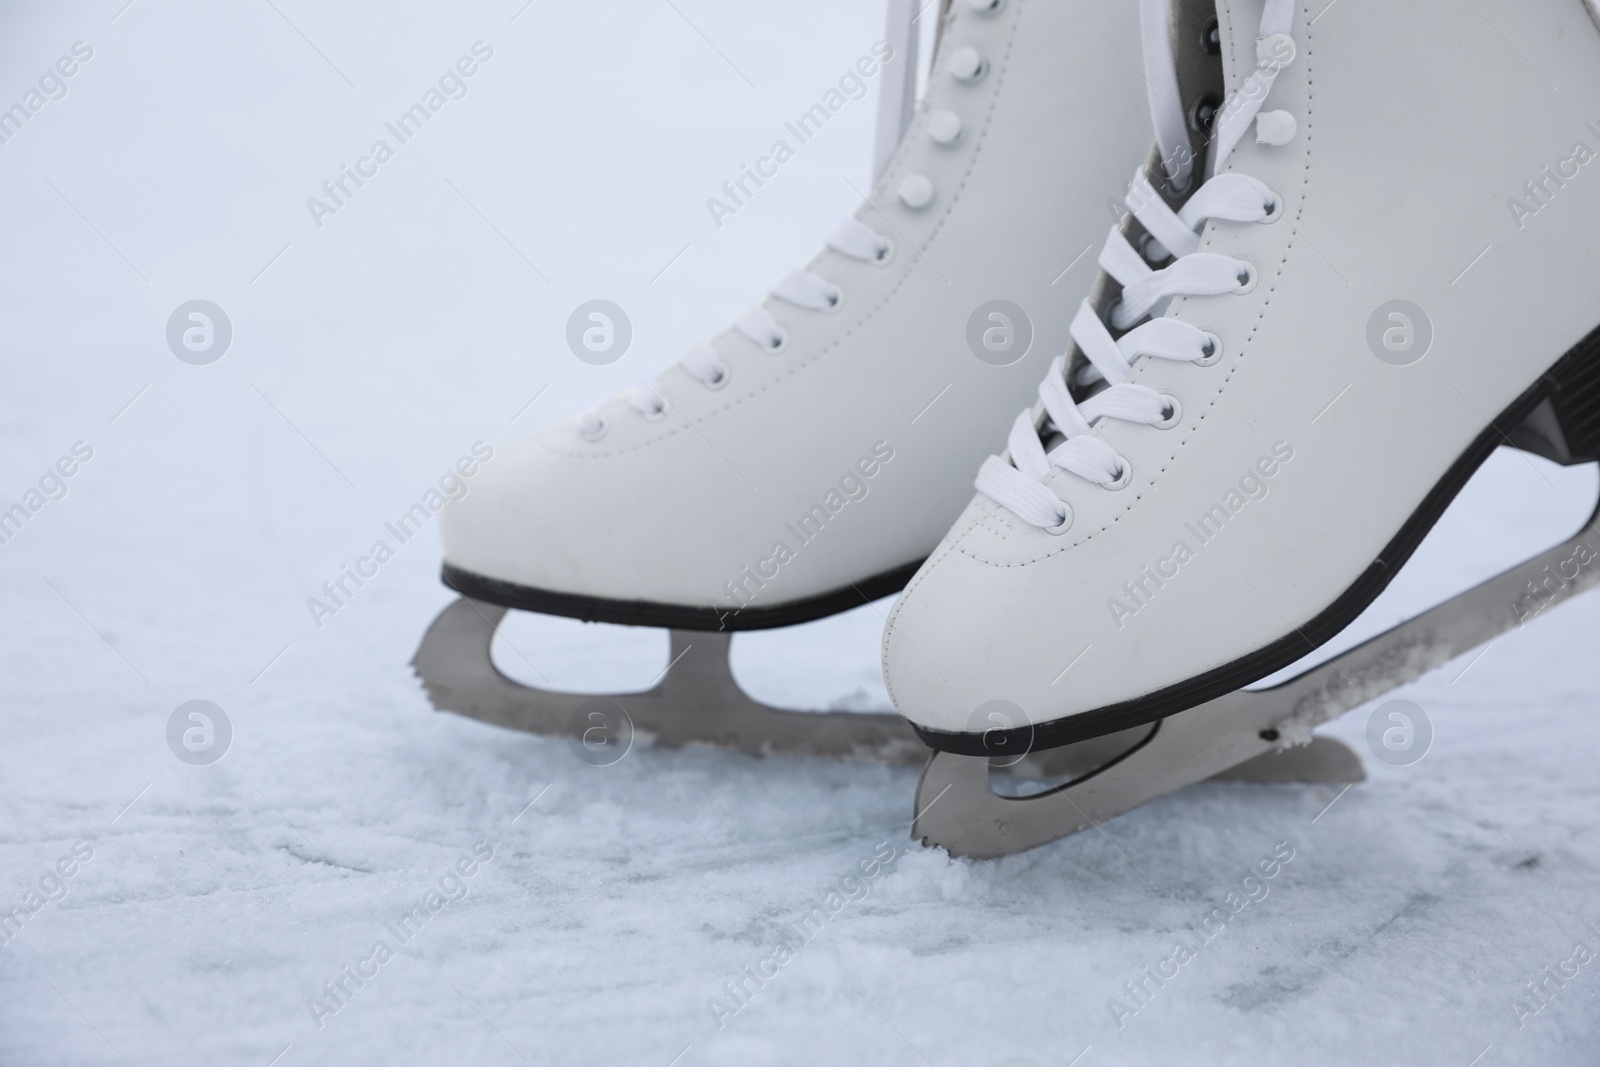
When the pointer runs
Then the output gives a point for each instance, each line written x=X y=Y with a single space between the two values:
x=428 y=313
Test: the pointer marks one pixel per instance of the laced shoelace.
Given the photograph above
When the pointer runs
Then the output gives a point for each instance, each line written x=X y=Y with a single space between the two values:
x=1018 y=481
x=802 y=288
x=853 y=238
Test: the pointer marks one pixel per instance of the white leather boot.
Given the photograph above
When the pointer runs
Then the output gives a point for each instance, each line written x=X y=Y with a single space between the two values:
x=1386 y=266
x=810 y=457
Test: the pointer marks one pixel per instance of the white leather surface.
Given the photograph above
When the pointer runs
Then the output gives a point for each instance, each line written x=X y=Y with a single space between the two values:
x=671 y=510
x=1417 y=123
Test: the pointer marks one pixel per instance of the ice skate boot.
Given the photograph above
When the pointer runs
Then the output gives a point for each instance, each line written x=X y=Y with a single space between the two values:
x=1377 y=268
x=807 y=459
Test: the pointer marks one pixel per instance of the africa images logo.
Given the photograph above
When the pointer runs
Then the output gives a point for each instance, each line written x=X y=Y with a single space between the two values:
x=337 y=192
x=852 y=85
x=1253 y=485
x=740 y=591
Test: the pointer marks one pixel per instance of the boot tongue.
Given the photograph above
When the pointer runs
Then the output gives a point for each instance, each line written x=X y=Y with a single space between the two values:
x=1183 y=66
x=1197 y=42
x=1221 y=74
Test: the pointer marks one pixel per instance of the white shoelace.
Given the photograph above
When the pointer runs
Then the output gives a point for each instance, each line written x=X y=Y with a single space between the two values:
x=802 y=288
x=1017 y=482
x=853 y=238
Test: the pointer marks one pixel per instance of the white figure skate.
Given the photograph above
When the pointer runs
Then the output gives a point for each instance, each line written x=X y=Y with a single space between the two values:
x=808 y=459
x=1314 y=331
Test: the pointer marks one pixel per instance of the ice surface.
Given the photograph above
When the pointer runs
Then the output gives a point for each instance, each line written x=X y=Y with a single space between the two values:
x=368 y=355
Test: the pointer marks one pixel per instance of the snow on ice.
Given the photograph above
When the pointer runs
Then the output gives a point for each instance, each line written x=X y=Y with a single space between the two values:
x=360 y=879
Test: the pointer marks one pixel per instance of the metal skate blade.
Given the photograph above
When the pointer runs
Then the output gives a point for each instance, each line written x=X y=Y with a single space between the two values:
x=696 y=700
x=1512 y=507
x=1237 y=736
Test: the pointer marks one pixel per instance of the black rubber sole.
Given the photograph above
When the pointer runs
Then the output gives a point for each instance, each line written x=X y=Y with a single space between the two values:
x=675 y=616
x=1566 y=430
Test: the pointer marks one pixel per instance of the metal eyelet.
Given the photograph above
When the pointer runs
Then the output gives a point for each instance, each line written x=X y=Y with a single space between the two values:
x=1213 y=351
x=1120 y=482
x=1203 y=114
x=655 y=413
x=1174 y=413
x=1274 y=210
x=1063 y=524
x=1248 y=276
